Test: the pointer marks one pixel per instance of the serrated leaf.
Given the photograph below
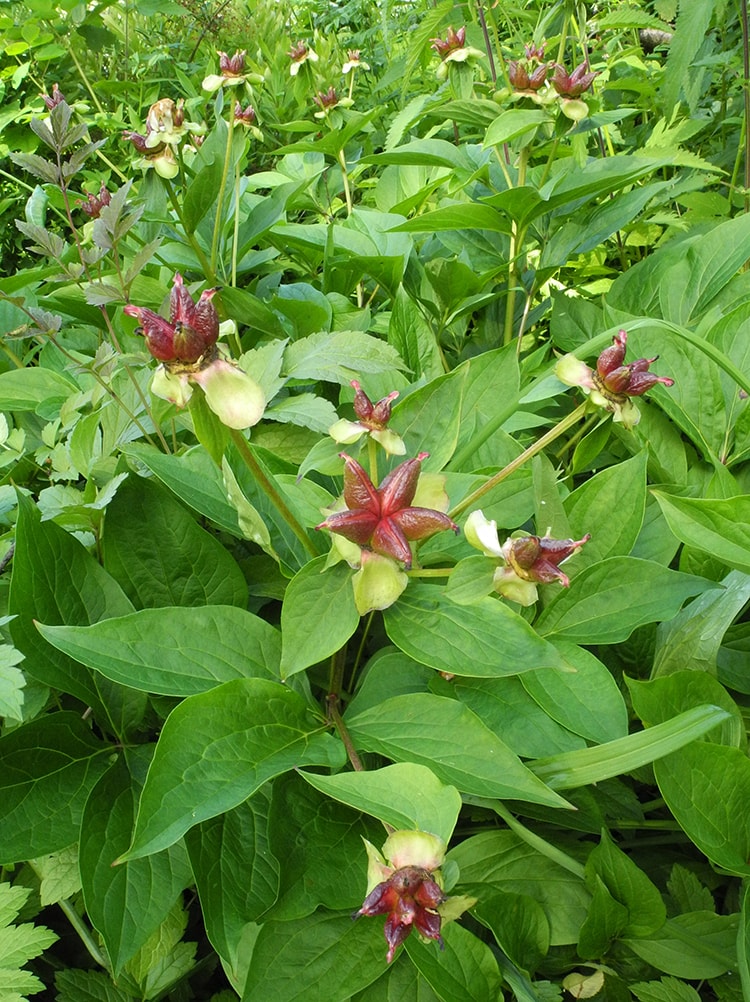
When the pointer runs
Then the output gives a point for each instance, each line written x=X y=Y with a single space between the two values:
x=59 y=875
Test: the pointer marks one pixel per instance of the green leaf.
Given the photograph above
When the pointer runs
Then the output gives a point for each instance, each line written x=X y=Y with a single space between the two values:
x=695 y=945
x=605 y=921
x=88 y=986
x=319 y=958
x=429 y=152
x=586 y=700
x=201 y=194
x=236 y=875
x=126 y=904
x=174 y=652
x=59 y=875
x=464 y=971
x=691 y=640
x=405 y=796
x=318 y=843
x=485 y=640
x=161 y=557
x=401 y=983
x=620 y=489
x=56 y=580
x=518 y=924
x=216 y=749
x=318 y=615
x=513 y=124
x=660 y=698
x=47 y=769
x=482 y=413
x=717 y=526
x=501 y=861
x=194 y=478
x=608 y=600
x=459 y=216
x=339 y=356
x=506 y=707
x=428 y=419
x=743 y=941
x=19 y=943
x=445 y=736
x=591 y=765
x=12 y=682
x=664 y=990
x=26 y=389
x=628 y=885
x=706 y=787
x=413 y=338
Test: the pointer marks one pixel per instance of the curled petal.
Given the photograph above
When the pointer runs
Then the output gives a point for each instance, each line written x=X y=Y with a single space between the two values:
x=392 y=443
x=508 y=584
x=427 y=924
x=346 y=432
x=378 y=583
x=573 y=372
x=395 y=933
x=171 y=386
x=205 y=318
x=414 y=848
x=235 y=398
x=481 y=533
x=613 y=357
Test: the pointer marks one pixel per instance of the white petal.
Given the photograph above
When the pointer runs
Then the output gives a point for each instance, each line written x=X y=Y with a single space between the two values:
x=481 y=533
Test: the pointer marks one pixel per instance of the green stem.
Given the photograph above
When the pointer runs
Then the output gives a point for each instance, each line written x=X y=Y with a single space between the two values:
x=361 y=648
x=222 y=186
x=236 y=234
x=372 y=459
x=84 y=933
x=559 y=429
x=517 y=237
x=271 y=491
x=351 y=751
x=532 y=839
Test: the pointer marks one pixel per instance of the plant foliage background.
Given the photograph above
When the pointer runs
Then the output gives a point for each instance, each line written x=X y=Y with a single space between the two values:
x=199 y=684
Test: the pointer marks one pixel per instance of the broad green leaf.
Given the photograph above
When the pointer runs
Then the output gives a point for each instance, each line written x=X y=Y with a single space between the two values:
x=339 y=356
x=605 y=921
x=591 y=765
x=174 y=652
x=513 y=124
x=464 y=971
x=389 y=673
x=691 y=640
x=25 y=389
x=446 y=737
x=665 y=696
x=201 y=194
x=236 y=875
x=47 y=769
x=428 y=419
x=482 y=413
x=126 y=904
x=706 y=787
x=413 y=338
x=216 y=749
x=318 y=844
x=457 y=217
x=194 y=478
x=430 y=152
x=629 y=885
x=590 y=508
x=695 y=946
x=608 y=600
x=665 y=990
x=320 y=958
x=164 y=959
x=318 y=615
x=717 y=526
x=485 y=640
x=281 y=503
x=55 y=579
x=404 y=796
x=585 y=699
x=743 y=940
x=507 y=708
x=160 y=555
x=59 y=875
x=401 y=983
x=518 y=924
x=501 y=861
